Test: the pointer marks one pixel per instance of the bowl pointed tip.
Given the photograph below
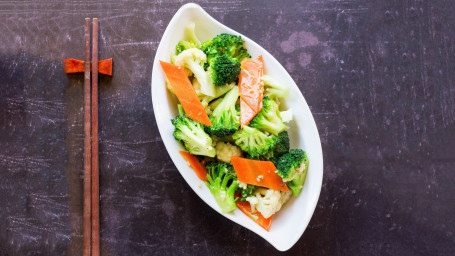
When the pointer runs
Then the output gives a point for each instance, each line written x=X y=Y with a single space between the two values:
x=191 y=5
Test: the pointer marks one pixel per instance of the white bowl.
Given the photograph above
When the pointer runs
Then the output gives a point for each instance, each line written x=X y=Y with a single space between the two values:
x=290 y=222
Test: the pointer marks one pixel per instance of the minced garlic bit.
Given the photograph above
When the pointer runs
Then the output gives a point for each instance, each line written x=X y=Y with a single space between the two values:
x=199 y=184
x=242 y=185
x=286 y=116
x=259 y=178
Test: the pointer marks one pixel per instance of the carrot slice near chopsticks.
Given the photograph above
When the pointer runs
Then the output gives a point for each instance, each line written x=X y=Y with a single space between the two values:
x=251 y=87
x=257 y=217
x=185 y=92
x=259 y=173
x=197 y=166
x=73 y=66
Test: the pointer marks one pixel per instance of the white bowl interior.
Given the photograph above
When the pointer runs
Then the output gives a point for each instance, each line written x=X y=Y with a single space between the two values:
x=290 y=222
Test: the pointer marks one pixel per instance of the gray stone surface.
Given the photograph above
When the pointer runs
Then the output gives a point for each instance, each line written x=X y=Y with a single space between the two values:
x=378 y=76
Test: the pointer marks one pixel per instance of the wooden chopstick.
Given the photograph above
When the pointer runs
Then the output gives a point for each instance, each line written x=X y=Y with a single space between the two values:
x=95 y=164
x=87 y=147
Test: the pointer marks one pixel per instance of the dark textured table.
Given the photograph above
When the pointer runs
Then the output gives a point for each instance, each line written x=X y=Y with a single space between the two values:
x=379 y=78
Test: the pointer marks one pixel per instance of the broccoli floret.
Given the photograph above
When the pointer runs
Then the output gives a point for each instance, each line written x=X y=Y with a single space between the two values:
x=184 y=45
x=253 y=141
x=247 y=192
x=273 y=88
x=194 y=59
x=190 y=41
x=282 y=144
x=293 y=167
x=222 y=183
x=193 y=136
x=268 y=119
x=288 y=164
x=242 y=54
x=225 y=44
x=225 y=118
x=224 y=70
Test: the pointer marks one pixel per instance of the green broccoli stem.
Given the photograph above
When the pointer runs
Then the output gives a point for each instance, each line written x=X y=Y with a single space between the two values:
x=202 y=77
x=224 y=118
x=222 y=182
x=269 y=118
x=296 y=185
x=231 y=191
x=274 y=89
x=226 y=179
x=190 y=34
x=273 y=125
x=173 y=56
x=181 y=111
x=193 y=137
x=224 y=198
x=228 y=103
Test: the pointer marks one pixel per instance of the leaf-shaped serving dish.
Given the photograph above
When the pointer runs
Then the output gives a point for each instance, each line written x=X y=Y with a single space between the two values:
x=290 y=222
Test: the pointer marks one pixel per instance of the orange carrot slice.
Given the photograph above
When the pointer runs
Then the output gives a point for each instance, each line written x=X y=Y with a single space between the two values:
x=197 y=166
x=259 y=173
x=185 y=92
x=251 y=85
x=257 y=217
x=73 y=66
x=246 y=113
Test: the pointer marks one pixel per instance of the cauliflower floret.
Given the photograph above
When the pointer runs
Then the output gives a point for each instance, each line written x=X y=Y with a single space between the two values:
x=192 y=53
x=253 y=200
x=286 y=116
x=267 y=201
x=194 y=60
x=224 y=151
x=285 y=196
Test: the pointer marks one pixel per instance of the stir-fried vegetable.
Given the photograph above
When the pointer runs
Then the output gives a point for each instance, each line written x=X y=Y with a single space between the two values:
x=225 y=118
x=185 y=92
x=268 y=119
x=255 y=216
x=194 y=163
x=259 y=173
x=222 y=182
x=251 y=89
x=224 y=115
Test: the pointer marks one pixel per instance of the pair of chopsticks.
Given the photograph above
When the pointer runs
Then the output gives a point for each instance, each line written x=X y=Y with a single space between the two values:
x=91 y=216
